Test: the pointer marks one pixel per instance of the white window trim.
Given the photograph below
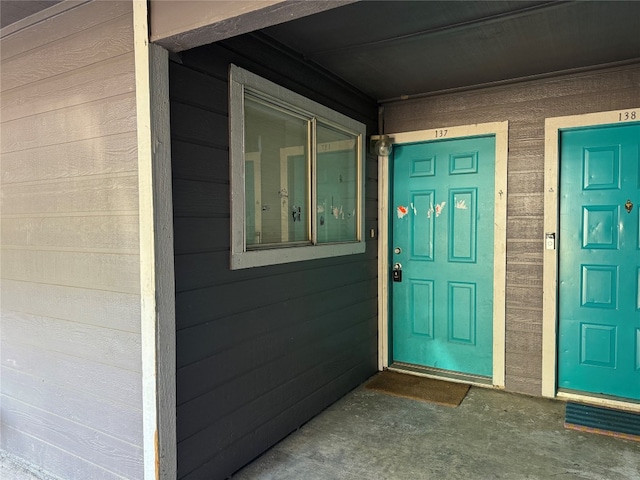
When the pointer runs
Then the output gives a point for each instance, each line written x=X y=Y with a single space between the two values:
x=240 y=256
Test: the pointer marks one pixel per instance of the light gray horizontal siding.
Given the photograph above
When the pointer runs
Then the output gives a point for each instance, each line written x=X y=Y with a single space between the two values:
x=50 y=32
x=83 y=232
x=73 y=372
x=107 y=415
x=92 y=82
x=99 y=271
x=525 y=105
x=120 y=311
x=70 y=386
x=118 y=193
x=108 y=39
x=114 y=154
x=109 y=116
x=104 y=450
x=57 y=459
x=97 y=344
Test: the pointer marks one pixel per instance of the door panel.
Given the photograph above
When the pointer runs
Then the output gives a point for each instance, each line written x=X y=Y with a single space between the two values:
x=599 y=251
x=443 y=199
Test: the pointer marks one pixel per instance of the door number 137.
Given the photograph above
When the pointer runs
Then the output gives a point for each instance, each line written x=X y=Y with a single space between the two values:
x=443 y=133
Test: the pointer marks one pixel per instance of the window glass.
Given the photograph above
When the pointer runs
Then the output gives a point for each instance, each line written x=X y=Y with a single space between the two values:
x=276 y=175
x=296 y=174
x=337 y=186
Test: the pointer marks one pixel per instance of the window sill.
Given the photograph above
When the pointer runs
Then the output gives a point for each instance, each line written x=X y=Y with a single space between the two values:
x=276 y=256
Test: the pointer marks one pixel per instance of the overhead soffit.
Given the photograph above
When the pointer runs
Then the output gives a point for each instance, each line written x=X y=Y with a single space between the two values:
x=390 y=49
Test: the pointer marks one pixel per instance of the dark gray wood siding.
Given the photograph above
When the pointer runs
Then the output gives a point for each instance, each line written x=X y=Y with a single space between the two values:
x=525 y=105
x=70 y=376
x=259 y=351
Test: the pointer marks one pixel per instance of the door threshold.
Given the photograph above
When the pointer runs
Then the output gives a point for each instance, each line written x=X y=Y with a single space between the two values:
x=440 y=374
x=595 y=399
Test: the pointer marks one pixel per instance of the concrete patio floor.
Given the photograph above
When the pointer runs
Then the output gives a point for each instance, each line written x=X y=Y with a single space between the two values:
x=491 y=435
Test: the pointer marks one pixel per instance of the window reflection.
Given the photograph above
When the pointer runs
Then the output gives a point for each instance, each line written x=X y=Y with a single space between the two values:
x=276 y=184
x=337 y=185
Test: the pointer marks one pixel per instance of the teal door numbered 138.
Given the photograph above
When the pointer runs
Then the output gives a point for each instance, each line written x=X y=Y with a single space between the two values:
x=599 y=261
x=442 y=254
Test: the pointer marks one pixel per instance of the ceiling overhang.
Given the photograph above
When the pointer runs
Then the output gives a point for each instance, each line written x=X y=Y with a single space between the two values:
x=185 y=24
x=399 y=49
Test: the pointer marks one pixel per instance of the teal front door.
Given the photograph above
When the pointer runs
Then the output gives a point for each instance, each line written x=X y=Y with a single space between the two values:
x=442 y=242
x=599 y=261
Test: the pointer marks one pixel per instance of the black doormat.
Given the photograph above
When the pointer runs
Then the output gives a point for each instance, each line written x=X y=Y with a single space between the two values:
x=419 y=388
x=604 y=421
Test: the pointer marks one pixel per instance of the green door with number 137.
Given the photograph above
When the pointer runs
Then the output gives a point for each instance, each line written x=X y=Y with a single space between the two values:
x=442 y=243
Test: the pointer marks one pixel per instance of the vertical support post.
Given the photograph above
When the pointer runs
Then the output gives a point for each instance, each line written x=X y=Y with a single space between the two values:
x=157 y=284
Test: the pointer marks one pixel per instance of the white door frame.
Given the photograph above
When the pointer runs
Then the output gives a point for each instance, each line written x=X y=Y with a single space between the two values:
x=553 y=126
x=500 y=130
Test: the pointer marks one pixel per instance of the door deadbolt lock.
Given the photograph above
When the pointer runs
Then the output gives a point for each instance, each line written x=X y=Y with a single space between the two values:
x=396 y=273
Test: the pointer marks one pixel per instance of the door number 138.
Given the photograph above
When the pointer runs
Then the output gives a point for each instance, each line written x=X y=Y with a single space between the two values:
x=628 y=115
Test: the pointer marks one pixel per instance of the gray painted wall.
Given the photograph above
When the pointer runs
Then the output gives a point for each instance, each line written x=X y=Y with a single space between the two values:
x=525 y=105
x=70 y=333
x=262 y=350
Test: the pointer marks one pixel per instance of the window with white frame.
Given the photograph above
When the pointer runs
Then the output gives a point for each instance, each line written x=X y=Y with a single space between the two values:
x=297 y=171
